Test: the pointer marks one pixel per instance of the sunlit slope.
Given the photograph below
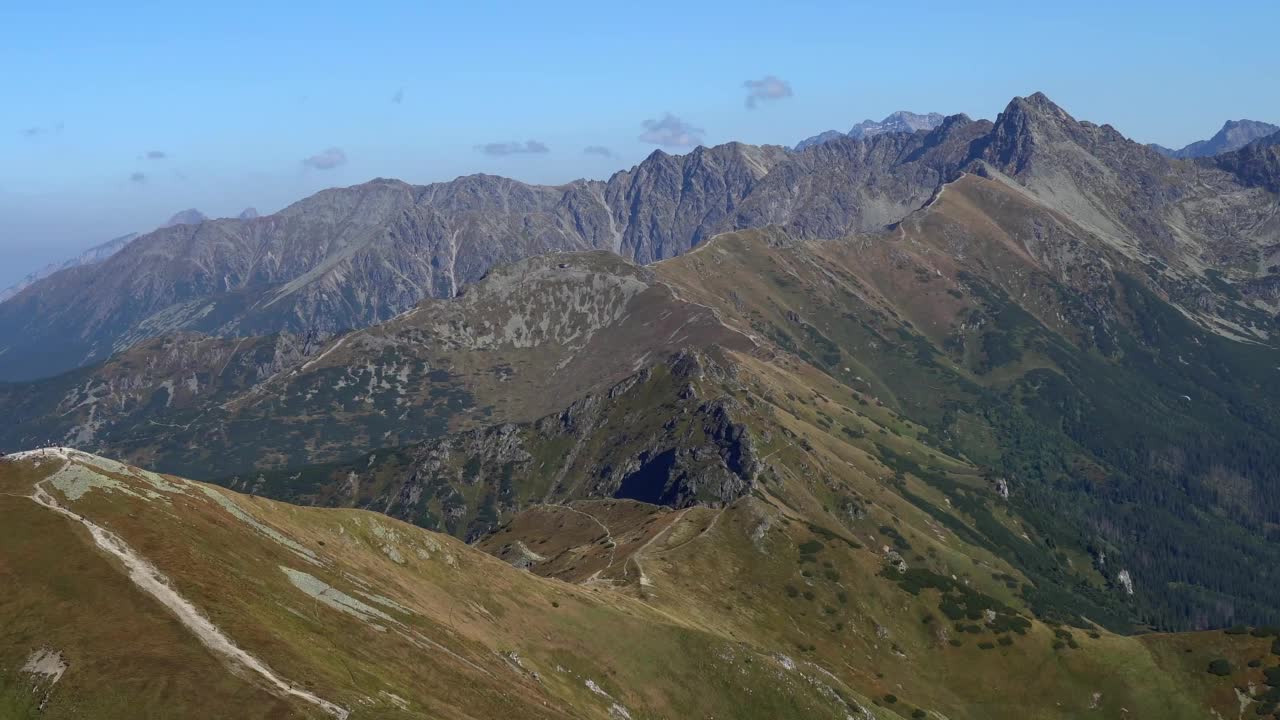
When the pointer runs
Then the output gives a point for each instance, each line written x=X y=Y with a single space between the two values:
x=283 y=611
x=944 y=637
x=1003 y=336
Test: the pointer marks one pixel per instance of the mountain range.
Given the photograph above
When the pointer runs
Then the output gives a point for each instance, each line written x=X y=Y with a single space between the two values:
x=1234 y=135
x=347 y=258
x=978 y=421
x=898 y=122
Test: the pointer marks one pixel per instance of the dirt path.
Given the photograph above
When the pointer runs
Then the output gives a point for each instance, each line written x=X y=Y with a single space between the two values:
x=638 y=555
x=705 y=530
x=608 y=535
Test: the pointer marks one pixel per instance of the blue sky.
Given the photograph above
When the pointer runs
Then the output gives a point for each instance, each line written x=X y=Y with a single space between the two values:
x=237 y=95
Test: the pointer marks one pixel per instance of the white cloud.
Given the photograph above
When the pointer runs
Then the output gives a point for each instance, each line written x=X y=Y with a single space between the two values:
x=327 y=160
x=671 y=131
x=770 y=87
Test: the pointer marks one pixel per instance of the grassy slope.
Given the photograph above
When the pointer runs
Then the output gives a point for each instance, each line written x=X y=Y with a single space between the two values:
x=712 y=631
x=750 y=573
x=454 y=620
x=996 y=334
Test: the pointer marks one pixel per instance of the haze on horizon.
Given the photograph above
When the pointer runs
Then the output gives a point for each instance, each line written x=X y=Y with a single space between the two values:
x=119 y=116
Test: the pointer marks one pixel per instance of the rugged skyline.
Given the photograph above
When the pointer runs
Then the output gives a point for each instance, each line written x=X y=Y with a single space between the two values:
x=114 y=124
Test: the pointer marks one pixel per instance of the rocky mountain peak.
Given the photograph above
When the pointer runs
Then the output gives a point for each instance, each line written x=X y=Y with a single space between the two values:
x=1235 y=134
x=902 y=121
x=1255 y=165
x=1026 y=124
x=657 y=156
x=190 y=216
x=1036 y=106
x=248 y=213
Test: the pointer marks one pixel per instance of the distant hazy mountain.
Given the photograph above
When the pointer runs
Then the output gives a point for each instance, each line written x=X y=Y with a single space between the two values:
x=248 y=214
x=899 y=122
x=95 y=254
x=98 y=253
x=190 y=216
x=1234 y=135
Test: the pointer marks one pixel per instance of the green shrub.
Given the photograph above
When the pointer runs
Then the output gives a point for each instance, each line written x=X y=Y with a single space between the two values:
x=1237 y=630
x=1220 y=667
x=891 y=698
x=791 y=591
x=1005 y=640
x=955 y=643
x=810 y=547
x=918 y=714
x=987 y=645
x=893 y=534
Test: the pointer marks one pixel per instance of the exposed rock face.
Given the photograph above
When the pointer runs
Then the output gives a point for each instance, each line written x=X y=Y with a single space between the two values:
x=1234 y=135
x=1125 y=581
x=1131 y=197
x=717 y=472
x=848 y=186
x=670 y=203
x=1256 y=165
x=623 y=443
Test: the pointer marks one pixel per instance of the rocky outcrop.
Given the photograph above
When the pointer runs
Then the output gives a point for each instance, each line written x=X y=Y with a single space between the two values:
x=627 y=442
x=1256 y=165
x=849 y=186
